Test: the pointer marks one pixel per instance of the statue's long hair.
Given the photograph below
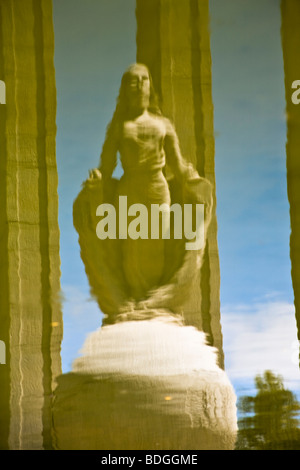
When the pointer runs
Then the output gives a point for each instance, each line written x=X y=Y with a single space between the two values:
x=122 y=108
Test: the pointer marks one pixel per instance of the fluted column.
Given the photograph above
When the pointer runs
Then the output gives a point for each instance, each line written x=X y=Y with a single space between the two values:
x=173 y=40
x=30 y=314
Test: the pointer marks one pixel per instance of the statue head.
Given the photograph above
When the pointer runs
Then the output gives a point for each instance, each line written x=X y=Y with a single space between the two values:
x=137 y=91
x=136 y=82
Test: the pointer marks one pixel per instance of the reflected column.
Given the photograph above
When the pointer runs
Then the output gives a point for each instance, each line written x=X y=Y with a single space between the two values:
x=290 y=32
x=30 y=314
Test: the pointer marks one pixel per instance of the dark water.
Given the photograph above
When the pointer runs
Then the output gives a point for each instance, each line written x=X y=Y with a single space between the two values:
x=257 y=300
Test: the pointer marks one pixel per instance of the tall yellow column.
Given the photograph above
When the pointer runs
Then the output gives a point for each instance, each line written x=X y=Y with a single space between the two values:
x=290 y=32
x=173 y=40
x=30 y=314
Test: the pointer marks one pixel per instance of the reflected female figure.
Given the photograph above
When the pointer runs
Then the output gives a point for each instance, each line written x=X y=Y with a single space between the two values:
x=143 y=347
x=146 y=142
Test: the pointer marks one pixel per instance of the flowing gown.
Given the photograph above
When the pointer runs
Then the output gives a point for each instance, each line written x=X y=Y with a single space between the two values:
x=145 y=145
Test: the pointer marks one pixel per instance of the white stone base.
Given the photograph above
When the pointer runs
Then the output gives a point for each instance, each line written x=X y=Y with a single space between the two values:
x=150 y=384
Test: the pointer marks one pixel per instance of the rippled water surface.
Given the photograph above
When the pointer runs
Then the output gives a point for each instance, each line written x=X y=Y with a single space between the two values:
x=155 y=373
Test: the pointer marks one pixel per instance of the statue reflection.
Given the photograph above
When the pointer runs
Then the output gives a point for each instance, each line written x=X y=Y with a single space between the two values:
x=133 y=275
x=145 y=380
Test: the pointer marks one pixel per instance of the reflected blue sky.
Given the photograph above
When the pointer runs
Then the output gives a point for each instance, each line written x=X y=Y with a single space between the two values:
x=258 y=319
x=94 y=43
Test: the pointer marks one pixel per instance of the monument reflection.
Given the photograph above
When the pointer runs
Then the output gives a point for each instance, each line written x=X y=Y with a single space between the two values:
x=151 y=376
x=145 y=375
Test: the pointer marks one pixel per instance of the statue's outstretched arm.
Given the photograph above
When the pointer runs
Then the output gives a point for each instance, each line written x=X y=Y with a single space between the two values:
x=108 y=157
x=196 y=187
x=180 y=167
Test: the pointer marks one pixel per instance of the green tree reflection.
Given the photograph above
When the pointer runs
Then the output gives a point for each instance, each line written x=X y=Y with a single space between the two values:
x=270 y=419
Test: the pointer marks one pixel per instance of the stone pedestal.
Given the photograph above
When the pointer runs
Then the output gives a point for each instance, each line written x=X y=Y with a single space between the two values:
x=145 y=385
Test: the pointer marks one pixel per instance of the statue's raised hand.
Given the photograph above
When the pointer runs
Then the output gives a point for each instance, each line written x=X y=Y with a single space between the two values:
x=94 y=180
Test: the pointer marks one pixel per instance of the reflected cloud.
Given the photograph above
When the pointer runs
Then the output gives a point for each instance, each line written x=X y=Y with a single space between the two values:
x=261 y=336
x=76 y=299
x=81 y=316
